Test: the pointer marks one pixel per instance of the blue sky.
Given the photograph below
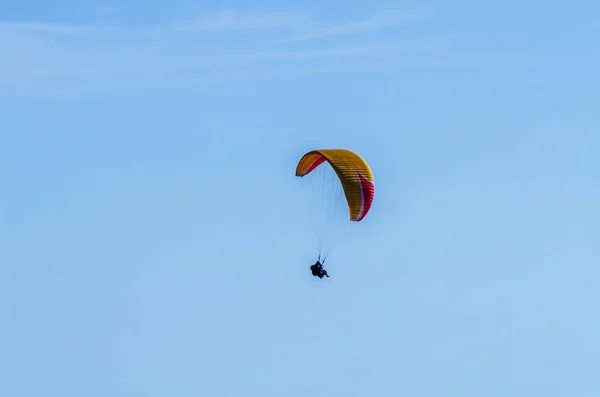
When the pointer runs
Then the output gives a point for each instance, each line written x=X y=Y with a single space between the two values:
x=155 y=242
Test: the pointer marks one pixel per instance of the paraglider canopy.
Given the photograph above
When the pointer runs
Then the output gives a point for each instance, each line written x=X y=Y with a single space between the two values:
x=353 y=172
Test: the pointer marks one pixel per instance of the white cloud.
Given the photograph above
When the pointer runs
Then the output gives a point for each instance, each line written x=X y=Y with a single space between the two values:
x=50 y=56
x=376 y=22
x=43 y=28
x=233 y=20
x=37 y=54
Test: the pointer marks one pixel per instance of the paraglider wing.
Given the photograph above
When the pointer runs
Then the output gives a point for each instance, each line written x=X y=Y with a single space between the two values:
x=354 y=174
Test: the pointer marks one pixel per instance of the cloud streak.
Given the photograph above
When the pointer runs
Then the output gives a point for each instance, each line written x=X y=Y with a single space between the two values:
x=373 y=23
x=42 y=28
x=40 y=53
x=60 y=56
x=233 y=20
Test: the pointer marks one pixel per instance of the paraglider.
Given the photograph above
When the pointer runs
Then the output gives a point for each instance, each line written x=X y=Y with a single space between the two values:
x=353 y=178
x=318 y=271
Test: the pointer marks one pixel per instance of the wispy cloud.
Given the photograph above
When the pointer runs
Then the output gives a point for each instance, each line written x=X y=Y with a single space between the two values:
x=233 y=20
x=38 y=55
x=45 y=28
x=372 y=23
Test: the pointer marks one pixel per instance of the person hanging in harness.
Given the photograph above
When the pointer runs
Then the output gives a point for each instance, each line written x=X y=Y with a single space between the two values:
x=318 y=271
